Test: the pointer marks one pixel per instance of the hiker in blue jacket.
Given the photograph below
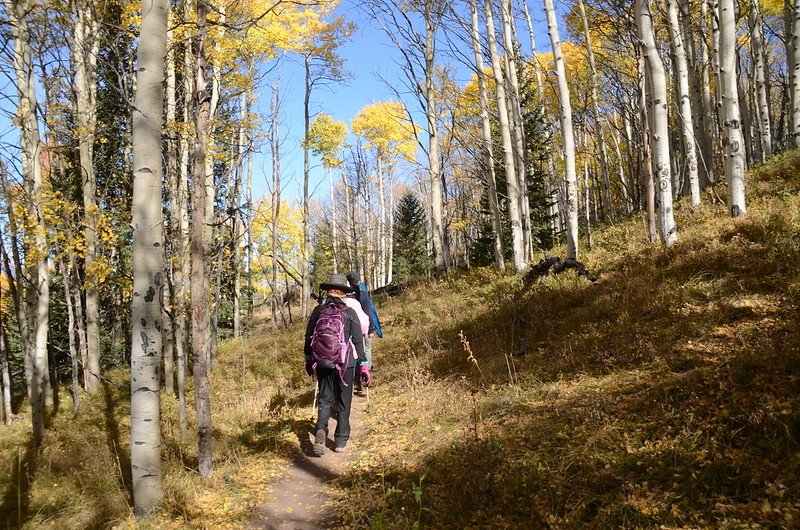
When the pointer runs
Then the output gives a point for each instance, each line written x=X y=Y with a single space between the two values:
x=362 y=295
x=335 y=384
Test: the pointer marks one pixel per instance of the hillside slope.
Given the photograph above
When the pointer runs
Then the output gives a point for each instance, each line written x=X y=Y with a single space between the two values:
x=666 y=393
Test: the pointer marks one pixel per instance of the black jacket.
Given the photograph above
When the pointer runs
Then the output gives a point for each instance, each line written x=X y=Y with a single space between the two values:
x=352 y=329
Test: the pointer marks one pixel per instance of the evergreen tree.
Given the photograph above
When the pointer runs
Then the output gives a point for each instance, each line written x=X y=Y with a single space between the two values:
x=411 y=258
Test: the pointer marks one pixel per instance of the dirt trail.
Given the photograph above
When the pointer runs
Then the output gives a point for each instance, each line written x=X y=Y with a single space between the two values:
x=298 y=500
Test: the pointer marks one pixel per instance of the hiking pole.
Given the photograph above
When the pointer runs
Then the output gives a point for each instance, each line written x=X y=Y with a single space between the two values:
x=367 y=398
x=314 y=404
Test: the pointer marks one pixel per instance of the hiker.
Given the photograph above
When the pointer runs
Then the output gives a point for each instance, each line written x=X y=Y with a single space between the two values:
x=362 y=295
x=334 y=332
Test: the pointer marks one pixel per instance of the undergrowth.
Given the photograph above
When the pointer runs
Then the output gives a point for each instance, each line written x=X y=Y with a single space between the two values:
x=663 y=395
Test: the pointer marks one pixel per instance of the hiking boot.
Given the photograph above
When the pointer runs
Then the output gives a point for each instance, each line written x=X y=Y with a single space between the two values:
x=319 y=442
x=340 y=447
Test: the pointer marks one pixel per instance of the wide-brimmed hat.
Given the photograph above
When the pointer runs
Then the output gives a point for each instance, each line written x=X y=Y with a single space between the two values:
x=353 y=277
x=336 y=281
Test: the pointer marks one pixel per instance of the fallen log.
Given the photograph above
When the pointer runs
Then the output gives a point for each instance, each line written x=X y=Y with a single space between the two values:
x=555 y=263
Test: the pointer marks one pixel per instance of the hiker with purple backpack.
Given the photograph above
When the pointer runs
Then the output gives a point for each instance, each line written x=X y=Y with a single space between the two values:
x=334 y=349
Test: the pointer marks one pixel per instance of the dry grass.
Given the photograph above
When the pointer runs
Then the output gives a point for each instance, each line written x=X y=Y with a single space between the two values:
x=664 y=395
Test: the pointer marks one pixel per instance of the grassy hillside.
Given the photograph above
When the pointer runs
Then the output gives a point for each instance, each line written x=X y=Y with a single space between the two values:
x=667 y=393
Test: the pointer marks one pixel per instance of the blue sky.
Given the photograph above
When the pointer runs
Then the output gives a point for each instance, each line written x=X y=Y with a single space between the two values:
x=369 y=56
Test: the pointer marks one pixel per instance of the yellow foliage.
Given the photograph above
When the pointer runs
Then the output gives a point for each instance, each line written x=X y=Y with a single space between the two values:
x=387 y=129
x=325 y=139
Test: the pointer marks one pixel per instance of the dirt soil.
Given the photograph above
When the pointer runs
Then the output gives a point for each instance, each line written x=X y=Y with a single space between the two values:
x=299 y=500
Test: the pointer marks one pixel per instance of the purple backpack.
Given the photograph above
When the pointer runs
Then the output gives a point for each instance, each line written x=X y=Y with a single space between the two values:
x=328 y=343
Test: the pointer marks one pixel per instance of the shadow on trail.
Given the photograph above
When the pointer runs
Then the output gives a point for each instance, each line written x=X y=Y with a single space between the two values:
x=15 y=500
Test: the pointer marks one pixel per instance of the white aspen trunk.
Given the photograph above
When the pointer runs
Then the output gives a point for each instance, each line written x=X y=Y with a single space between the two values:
x=250 y=215
x=566 y=131
x=6 y=376
x=761 y=95
x=237 y=219
x=709 y=120
x=440 y=250
x=382 y=246
x=733 y=143
x=17 y=279
x=181 y=242
x=148 y=260
x=305 y=266
x=349 y=221
x=390 y=220
x=201 y=321
x=517 y=131
x=85 y=48
x=685 y=104
x=598 y=128
x=73 y=350
x=793 y=60
x=647 y=154
x=586 y=191
x=696 y=69
x=38 y=291
x=537 y=67
x=660 y=126
x=170 y=305
x=486 y=148
x=276 y=200
x=514 y=213
x=334 y=233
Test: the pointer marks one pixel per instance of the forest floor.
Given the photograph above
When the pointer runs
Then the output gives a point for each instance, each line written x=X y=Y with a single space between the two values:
x=664 y=395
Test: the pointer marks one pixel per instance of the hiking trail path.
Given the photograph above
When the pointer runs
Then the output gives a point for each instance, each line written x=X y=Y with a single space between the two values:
x=299 y=500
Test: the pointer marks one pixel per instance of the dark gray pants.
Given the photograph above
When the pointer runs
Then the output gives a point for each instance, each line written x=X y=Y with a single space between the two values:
x=332 y=391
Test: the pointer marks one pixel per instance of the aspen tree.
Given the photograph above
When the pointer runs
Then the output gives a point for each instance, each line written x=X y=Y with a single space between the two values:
x=660 y=125
x=201 y=318
x=733 y=142
x=486 y=148
x=85 y=50
x=37 y=293
x=148 y=260
x=571 y=181
x=793 y=66
x=762 y=97
x=685 y=104
x=515 y=119
x=598 y=127
x=514 y=212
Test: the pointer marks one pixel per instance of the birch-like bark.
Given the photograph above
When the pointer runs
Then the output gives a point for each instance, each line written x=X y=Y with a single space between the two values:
x=148 y=260
x=515 y=118
x=762 y=98
x=486 y=148
x=276 y=199
x=334 y=228
x=180 y=216
x=440 y=250
x=6 y=375
x=170 y=307
x=709 y=114
x=514 y=214
x=793 y=68
x=685 y=103
x=85 y=49
x=647 y=154
x=73 y=349
x=237 y=219
x=305 y=266
x=201 y=321
x=566 y=132
x=382 y=246
x=733 y=141
x=37 y=294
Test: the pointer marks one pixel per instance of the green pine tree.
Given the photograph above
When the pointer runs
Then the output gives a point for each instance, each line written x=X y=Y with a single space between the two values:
x=411 y=258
